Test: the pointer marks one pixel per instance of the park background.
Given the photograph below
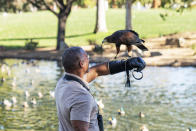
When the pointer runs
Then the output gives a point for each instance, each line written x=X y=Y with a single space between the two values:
x=166 y=95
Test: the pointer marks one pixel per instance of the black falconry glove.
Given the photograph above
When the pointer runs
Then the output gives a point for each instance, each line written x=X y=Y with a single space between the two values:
x=126 y=65
x=129 y=64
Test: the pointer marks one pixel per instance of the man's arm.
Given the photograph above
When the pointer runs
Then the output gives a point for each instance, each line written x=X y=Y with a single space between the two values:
x=97 y=70
x=80 y=125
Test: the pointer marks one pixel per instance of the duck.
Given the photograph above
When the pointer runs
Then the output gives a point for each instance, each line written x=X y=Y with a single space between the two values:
x=7 y=103
x=143 y=128
x=27 y=94
x=37 y=70
x=121 y=111
x=13 y=84
x=190 y=129
x=14 y=101
x=40 y=95
x=113 y=122
x=33 y=101
x=27 y=70
x=100 y=104
x=3 y=69
x=52 y=94
x=32 y=82
x=2 y=79
x=25 y=104
x=141 y=115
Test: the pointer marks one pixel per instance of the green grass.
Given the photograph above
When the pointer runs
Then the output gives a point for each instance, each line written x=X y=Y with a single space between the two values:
x=81 y=24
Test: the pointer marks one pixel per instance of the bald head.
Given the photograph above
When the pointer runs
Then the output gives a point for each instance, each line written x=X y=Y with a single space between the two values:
x=72 y=57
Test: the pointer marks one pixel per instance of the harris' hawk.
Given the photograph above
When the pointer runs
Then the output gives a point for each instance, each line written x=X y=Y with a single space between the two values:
x=126 y=37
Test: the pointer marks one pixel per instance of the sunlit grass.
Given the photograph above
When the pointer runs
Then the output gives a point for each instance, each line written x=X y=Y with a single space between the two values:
x=81 y=24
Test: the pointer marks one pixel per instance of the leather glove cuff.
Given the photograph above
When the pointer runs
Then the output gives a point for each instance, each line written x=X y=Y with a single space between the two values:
x=117 y=66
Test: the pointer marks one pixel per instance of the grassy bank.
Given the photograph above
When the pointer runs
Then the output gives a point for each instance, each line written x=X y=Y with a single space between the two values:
x=81 y=24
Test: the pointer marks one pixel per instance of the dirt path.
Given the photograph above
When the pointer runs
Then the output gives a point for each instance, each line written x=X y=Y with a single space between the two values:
x=159 y=53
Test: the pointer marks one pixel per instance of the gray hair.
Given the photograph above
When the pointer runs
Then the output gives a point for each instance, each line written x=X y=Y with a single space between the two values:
x=72 y=57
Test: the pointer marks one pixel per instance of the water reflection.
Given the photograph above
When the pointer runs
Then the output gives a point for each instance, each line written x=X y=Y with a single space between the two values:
x=166 y=96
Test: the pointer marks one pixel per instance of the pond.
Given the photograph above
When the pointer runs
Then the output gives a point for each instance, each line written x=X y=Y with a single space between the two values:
x=166 y=96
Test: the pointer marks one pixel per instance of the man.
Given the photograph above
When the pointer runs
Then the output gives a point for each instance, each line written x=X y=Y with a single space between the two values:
x=76 y=107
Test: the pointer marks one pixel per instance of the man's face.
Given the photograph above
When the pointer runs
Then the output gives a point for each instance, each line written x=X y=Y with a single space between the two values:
x=86 y=63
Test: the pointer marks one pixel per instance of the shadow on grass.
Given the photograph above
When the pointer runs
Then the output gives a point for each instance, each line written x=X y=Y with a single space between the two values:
x=19 y=47
x=42 y=38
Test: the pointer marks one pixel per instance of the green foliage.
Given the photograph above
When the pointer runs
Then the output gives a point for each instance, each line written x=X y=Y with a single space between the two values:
x=31 y=45
x=81 y=22
x=116 y=3
x=14 y=5
x=86 y=3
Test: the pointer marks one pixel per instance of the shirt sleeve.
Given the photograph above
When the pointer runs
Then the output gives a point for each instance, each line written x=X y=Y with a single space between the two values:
x=81 y=108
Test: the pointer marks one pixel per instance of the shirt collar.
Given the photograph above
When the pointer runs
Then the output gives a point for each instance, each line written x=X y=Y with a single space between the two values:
x=78 y=78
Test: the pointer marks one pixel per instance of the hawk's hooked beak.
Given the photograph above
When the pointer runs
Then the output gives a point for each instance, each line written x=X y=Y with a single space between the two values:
x=103 y=42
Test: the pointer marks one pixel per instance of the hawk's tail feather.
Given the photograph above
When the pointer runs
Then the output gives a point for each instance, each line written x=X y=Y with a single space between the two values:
x=142 y=40
x=142 y=47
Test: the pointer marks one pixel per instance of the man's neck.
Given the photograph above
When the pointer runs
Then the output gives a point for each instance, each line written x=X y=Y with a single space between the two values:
x=77 y=73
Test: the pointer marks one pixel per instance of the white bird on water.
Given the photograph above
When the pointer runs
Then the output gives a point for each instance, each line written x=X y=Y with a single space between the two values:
x=100 y=104
x=141 y=115
x=7 y=103
x=121 y=111
x=113 y=122
x=25 y=105
x=40 y=94
x=14 y=100
x=144 y=128
x=27 y=94
x=33 y=101
x=52 y=94
x=190 y=129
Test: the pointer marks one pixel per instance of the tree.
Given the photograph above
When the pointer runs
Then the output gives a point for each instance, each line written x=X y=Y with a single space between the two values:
x=128 y=20
x=100 y=17
x=64 y=7
x=180 y=5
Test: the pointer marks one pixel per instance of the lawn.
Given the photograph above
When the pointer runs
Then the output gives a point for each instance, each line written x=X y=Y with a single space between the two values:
x=81 y=24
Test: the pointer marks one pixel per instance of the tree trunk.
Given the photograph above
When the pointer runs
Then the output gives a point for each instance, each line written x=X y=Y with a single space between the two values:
x=128 y=15
x=61 y=32
x=156 y=3
x=100 y=17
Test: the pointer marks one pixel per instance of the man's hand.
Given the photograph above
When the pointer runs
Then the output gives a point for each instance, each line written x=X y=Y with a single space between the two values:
x=135 y=62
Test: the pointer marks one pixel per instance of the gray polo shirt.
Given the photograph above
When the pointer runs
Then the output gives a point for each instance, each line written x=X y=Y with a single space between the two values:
x=74 y=102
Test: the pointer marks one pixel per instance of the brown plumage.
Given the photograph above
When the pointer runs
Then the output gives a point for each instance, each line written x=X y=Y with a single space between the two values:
x=126 y=37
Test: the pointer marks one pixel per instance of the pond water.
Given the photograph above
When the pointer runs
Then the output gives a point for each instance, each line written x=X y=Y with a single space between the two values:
x=166 y=96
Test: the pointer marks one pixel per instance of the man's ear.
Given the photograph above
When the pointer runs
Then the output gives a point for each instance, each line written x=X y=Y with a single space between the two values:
x=81 y=64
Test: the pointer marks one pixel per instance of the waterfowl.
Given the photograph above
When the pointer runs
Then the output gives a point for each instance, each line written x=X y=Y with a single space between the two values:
x=141 y=115
x=144 y=128
x=40 y=95
x=52 y=94
x=33 y=101
x=100 y=104
x=113 y=122
x=25 y=104
x=14 y=101
x=121 y=111
x=190 y=129
x=27 y=94
x=7 y=103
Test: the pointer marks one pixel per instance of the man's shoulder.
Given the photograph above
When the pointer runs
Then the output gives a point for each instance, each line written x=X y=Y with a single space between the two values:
x=72 y=88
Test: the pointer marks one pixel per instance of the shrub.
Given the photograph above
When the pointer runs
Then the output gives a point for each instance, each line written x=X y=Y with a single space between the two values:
x=31 y=45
